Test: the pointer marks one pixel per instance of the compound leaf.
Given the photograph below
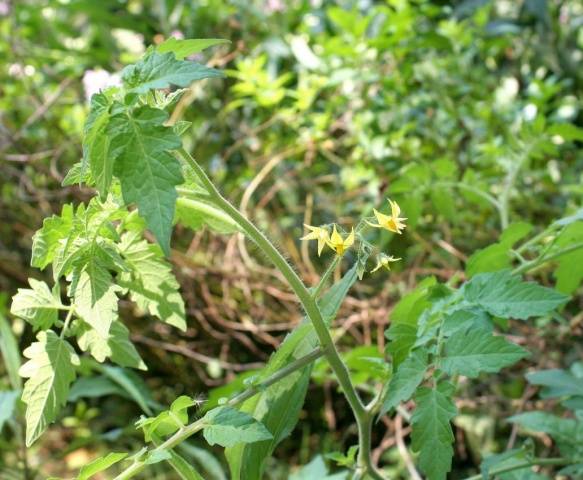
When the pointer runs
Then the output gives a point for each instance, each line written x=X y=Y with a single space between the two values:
x=148 y=173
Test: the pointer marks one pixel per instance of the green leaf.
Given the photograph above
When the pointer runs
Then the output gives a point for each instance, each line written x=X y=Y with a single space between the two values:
x=567 y=432
x=404 y=318
x=316 y=470
x=38 y=306
x=46 y=240
x=95 y=387
x=569 y=273
x=497 y=256
x=162 y=70
x=169 y=421
x=464 y=319
x=131 y=384
x=227 y=426
x=10 y=353
x=503 y=295
x=95 y=296
x=184 y=469
x=469 y=352
x=148 y=173
x=557 y=383
x=190 y=46
x=116 y=345
x=505 y=459
x=332 y=300
x=432 y=435
x=8 y=401
x=567 y=131
x=50 y=372
x=406 y=379
x=151 y=283
x=96 y=144
x=100 y=464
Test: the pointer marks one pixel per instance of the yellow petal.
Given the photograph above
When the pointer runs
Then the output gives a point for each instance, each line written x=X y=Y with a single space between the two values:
x=350 y=239
x=336 y=238
x=395 y=209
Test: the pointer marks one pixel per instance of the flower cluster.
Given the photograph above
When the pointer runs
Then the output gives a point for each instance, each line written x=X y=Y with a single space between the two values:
x=335 y=241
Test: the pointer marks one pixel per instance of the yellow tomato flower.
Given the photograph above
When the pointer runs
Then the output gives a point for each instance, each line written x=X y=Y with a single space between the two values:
x=384 y=261
x=317 y=233
x=338 y=244
x=391 y=222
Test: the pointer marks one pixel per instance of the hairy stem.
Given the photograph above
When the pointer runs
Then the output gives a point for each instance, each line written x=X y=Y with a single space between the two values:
x=309 y=304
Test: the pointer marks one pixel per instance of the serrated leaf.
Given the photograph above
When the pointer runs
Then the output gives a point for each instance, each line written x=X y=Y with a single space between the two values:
x=162 y=70
x=46 y=240
x=405 y=380
x=95 y=297
x=100 y=464
x=116 y=345
x=96 y=144
x=182 y=48
x=469 y=352
x=151 y=283
x=464 y=319
x=50 y=372
x=37 y=305
x=504 y=295
x=317 y=470
x=432 y=435
x=148 y=173
x=227 y=426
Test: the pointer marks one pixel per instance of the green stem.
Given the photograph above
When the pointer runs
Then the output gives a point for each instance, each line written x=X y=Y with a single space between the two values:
x=67 y=321
x=277 y=376
x=307 y=300
x=532 y=463
x=189 y=430
x=537 y=262
x=322 y=283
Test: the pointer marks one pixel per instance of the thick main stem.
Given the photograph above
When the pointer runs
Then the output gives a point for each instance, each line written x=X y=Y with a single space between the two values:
x=308 y=302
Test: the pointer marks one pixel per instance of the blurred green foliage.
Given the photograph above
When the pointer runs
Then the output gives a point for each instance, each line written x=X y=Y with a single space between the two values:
x=468 y=113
